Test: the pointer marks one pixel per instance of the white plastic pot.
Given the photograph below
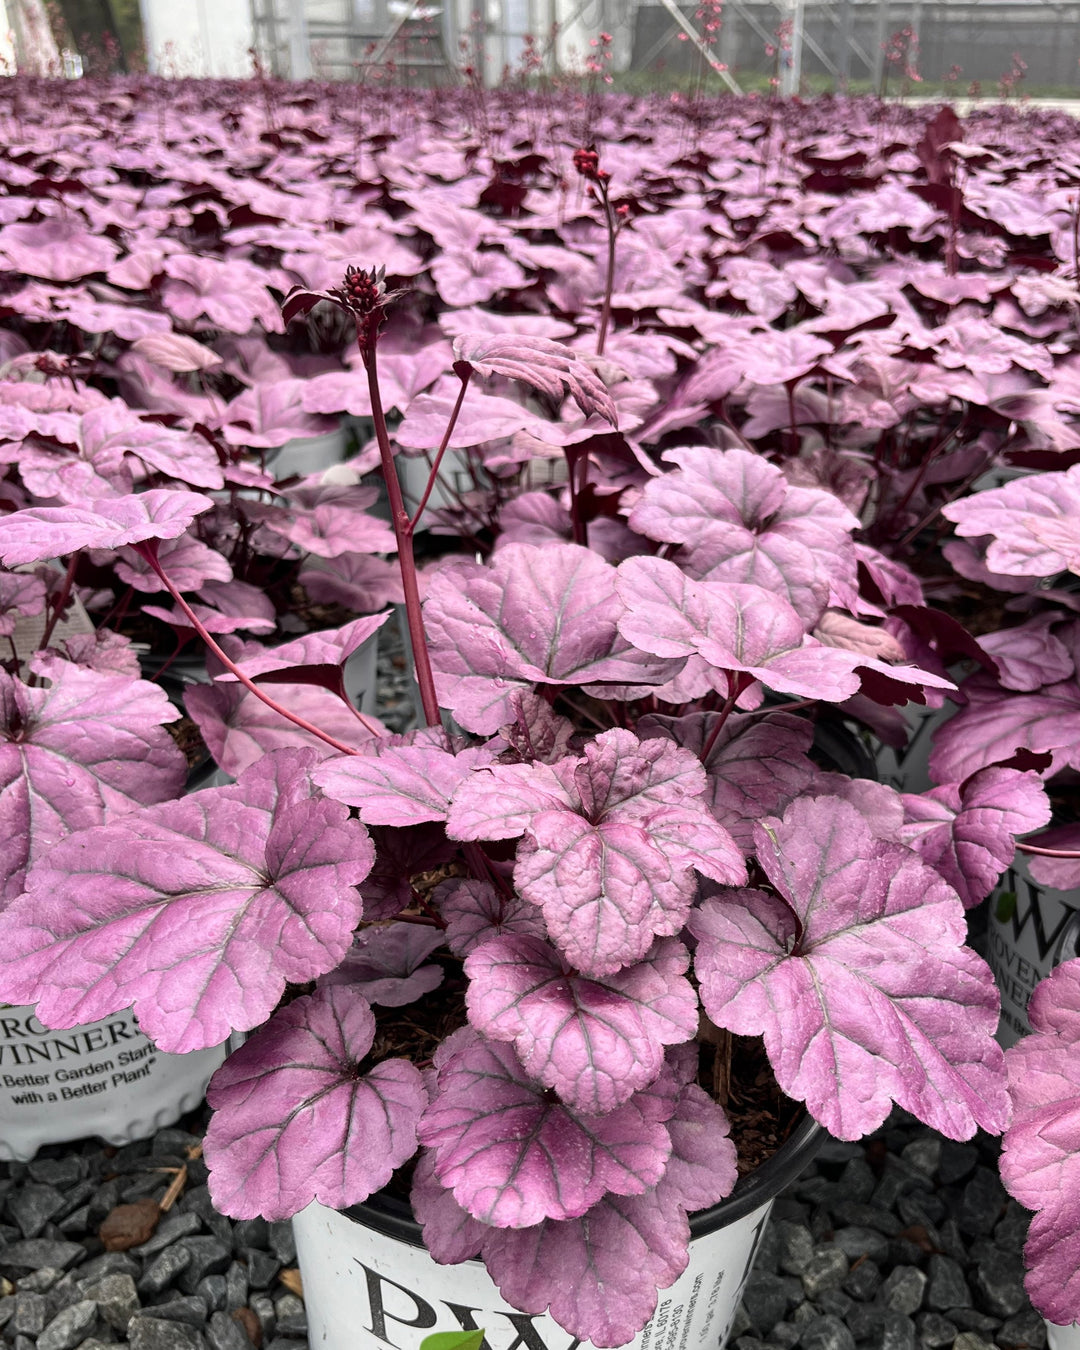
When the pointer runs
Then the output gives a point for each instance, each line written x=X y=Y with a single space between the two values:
x=308 y=454
x=455 y=480
x=908 y=769
x=1063 y=1338
x=102 y=1078
x=369 y=1281
x=1031 y=929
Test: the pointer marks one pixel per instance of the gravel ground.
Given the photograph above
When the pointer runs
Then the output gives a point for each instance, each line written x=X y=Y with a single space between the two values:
x=904 y=1241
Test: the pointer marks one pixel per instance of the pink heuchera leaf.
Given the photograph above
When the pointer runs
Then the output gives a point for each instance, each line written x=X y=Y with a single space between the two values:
x=1034 y=523
x=295 y=1119
x=1061 y=874
x=1029 y=656
x=967 y=831
x=529 y=616
x=84 y=750
x=611 y=841
x=595 y=1042
x=328 y=647
x=475 y=912
x=1040 y=1156
x=239 y=729
x=739 y=520
x=176 y=352
x=269 y=414
x=625 y=1248
x=858 y=978
x=399 y=856
x=21 y=596
x=995 y=724
x=400 y=784
x=390 y=966
x=755 y=766
x=488 y=417
x=42 y=532
x=332 y=528
x=197 y=911
x=188 y=563
x=355 y=580
x=470 y=277
x=512 y=1157
x=106 y=652
x=540 y=363
x=58 y=249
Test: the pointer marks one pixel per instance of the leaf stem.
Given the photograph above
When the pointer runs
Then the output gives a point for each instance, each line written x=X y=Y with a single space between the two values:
x=149 y=554
x=403 y=532
x=464 y=375
x=60 y=603
x=721 y=718
x=1047 y=852
x=609 y=285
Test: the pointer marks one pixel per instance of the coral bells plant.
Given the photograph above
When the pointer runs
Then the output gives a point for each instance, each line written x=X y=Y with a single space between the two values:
x=618 y=838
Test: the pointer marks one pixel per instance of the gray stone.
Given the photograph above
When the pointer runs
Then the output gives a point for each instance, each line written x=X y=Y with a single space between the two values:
x=174 y=1141
x=236 y=1286
x=70 y=1327
x=262 y=1305
x=903 y=1290
x=166 y=1267
x=970 y=1340
x=104 y=1200
x=957 y=1162
x=768 y=1252
x=78 y=1221
x=282 y=1242
x=968 y=1319
x=60 y=1172
x=1012 y=1229
x=226 y=1333
x=861 y=1242
x=1025 y=1331
x=199 y=1202
x=835 y=1302
x=171 y=1229
x=866 y=1321
x=982 y=1203
x=826 y=1333
x=816 y=1190
x=286 y=1343
x=999 y=1283
x=857 y=1181
x=917 y=1207
x=826 y=1270
x=867 y=1216
x=947 y=1287
x=291 y=1317
x=116 y=1297
x=209 y=1256
x=66 y=1291
x=29 y=1319
x=214 y=1292
x=863 y=1280
x=923 y=1154
x=34 y=1253
x=262 y=1268
x=805 y=1312
x=158 y=1333
x=39 y=1280
x=897 y=1332
x=952 y=1244
x=748 y=1343
x=108 y=1263
x=7 y=1309
x=767 y=1298
x=32 y=1206
x=785 y=1335
x=78 y=1195
x=188 y=1308
x=838 y=1150
x=251 y=1233
x=935 y=1331
x=24 y=1342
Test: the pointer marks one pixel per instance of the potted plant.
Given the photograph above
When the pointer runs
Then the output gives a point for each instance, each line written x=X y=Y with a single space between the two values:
x=619 y=806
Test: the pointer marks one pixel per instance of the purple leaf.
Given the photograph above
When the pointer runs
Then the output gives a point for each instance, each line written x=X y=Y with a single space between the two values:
x=1034 y=523
x=197 y=911
x=489 y=418
x=58 y=249
x=400 y=784
x=1061 y=874
x=85 y=750
x=740 y=521
x=471 y=277
x=451 y=1234
x=1040 y=1157
x=42 y=532
x=355 y=581
x=332 y=528
x=387 y=965
x=188 y=563
x=625 y=1248
x=529 y=616
x=328 y=647
x=475 y=912
x=512 y=1157
x=399 y=856
x=539 y=363
x=967 y=831
x=269 y=414
x=21 y=596
x=756 y=765
x=295 y=1119
x=595 y=1042
x=858 y=978
x=1029 y=656
x=176 y=352
x=103 y=651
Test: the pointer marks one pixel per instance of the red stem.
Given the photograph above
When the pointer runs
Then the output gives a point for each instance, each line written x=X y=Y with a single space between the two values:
x=61 y=600
x=724 y=714
x=1047 y=852
x=434 y=473
x=403 y=532
x=605 y=312
x=234 y=669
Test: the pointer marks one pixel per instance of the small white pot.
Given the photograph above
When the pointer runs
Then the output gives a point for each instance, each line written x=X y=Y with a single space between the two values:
x=308 y=454
x=367 y=1274
x=455 y=480
x=102 y=1078
x=1063 y=1338
x=1031 y=929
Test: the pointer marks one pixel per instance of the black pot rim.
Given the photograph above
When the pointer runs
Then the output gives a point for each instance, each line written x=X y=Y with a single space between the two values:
x=393 y=1217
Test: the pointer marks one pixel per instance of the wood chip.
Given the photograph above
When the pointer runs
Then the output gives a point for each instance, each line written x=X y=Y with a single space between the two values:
x=129 y=1225
x=251 y=1324
x=175 y=1187
x=290 y=1278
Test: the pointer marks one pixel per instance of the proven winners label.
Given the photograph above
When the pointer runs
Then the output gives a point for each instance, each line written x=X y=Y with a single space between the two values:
x=103 y=1078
